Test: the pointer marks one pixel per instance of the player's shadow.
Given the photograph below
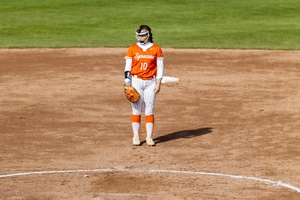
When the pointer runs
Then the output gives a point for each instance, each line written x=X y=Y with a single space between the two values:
x=183 y=134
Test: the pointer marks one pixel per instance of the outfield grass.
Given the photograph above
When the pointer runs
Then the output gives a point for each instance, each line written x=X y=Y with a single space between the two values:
x=234 y=24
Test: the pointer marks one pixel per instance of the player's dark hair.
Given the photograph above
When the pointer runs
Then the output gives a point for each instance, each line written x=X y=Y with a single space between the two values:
x=148 y=29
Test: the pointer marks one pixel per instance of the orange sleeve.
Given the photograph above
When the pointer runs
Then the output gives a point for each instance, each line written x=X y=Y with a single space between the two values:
x=159 y=52
x=129 y=52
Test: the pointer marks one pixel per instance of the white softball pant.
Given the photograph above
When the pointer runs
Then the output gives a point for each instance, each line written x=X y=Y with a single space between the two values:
x=146 y=89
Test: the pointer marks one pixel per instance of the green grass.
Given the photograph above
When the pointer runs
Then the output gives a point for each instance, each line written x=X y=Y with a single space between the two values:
x=234 y=24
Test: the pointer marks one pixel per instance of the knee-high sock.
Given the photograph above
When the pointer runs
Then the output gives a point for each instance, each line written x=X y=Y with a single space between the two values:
x=149 y=125
x=135 y=122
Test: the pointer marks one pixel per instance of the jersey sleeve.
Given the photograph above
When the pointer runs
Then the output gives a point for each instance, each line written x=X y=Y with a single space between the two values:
x=160 y=53
x=129 y=53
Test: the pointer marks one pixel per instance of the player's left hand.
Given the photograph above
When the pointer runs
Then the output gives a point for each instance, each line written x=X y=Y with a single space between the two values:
x=157 y=88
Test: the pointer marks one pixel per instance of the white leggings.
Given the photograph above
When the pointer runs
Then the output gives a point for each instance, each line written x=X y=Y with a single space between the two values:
x=146 y=90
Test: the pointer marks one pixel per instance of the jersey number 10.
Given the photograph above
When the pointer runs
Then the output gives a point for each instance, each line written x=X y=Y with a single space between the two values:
x=144 y=66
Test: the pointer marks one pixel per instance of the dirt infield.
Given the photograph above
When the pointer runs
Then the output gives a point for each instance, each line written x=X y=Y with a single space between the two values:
x=229 y=129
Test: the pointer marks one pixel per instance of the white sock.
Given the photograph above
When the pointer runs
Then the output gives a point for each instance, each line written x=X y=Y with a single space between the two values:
x=149 y=129
x=135 y=128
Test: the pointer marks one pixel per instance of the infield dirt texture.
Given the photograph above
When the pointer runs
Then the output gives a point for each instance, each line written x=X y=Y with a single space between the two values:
x=231 y=113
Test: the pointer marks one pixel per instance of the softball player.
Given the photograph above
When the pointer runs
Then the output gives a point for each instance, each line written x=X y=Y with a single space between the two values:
x=144 y=68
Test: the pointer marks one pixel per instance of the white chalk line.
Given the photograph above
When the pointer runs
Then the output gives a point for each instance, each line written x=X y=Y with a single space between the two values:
x=267 y=181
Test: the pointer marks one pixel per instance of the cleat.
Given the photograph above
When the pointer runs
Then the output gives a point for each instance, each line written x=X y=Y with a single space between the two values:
x=136 y=141
x=150 y=142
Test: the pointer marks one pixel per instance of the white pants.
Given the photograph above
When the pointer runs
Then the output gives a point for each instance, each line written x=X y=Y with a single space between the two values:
x=146 y=89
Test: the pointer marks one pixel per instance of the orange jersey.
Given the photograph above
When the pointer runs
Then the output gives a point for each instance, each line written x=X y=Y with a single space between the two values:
x=144 y=62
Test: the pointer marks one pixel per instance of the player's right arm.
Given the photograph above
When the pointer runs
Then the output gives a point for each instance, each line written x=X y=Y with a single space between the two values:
x=127 y=75
x=128 y=66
